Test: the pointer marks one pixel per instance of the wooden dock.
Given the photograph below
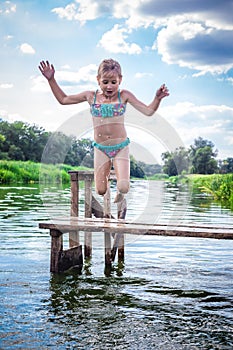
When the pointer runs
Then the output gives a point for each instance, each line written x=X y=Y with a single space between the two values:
x=112 y=229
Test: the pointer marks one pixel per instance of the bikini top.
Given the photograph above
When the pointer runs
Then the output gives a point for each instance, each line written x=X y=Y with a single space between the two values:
x=108 y=110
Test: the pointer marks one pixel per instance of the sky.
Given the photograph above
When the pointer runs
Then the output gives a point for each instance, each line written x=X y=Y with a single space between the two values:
x=186 y=44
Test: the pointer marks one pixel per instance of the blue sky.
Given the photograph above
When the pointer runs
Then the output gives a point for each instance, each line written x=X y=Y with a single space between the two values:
x=186 y=44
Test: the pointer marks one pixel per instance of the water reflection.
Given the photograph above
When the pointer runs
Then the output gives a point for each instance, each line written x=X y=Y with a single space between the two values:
x=99 y=313
x=172 y=293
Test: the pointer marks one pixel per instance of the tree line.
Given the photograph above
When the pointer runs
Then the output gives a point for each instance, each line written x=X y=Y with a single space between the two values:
x=24 y=142
x=199 y=158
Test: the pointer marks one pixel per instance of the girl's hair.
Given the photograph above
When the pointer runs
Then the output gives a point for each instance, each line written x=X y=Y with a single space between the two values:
x=108 y=66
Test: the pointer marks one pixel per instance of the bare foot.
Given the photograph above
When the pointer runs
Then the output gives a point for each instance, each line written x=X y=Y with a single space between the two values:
x=119 y=197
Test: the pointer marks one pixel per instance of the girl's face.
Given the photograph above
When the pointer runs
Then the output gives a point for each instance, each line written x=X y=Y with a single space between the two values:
x=109 y=84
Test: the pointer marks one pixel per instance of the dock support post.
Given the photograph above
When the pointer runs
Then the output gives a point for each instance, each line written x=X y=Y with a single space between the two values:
x=121 y=213
x=74 y=209
x=56 y=249
x=88 y=214
x=107 y=235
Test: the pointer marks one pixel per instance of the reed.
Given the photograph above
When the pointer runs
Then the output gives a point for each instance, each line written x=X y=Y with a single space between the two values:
x=30 y=172
x=219 y=186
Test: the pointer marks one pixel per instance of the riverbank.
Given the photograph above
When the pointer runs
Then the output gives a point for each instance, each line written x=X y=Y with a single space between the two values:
x=30 y=172
x=218 y=186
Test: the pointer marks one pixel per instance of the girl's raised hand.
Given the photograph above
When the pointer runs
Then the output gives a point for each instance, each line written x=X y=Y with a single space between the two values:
x=47 y=69
x=162 y=92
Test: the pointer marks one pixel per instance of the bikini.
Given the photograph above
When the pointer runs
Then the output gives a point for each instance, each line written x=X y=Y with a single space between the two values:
x=109 y=110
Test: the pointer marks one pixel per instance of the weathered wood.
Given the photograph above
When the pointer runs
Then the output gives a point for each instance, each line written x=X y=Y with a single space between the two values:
x=88 y=214
x=74 y=207
x=73 y=239
x=56 y=248
x=107 y=235
x=62 y=260
x=97 y=209
x=120 y=226
x=118 y=242
x=107 y=202
x=70 y=258
x=81 y=175
x=74 y=186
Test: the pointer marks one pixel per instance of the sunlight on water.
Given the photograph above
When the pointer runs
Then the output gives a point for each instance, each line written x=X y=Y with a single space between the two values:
x=172 y=292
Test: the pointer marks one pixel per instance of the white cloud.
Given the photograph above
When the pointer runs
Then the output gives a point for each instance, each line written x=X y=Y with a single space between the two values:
x=7 y=7
x=8 y=37
x=114 y=41
x=142 y=75
x=85 y=78
x=27 y=49
x=212 y=122
x=81 y=10
x=11 y=117
x=192 y=34
x=195 y=46
x=6 y=86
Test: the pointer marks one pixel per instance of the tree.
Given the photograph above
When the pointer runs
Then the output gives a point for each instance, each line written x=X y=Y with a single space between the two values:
x=203 y=157
x=135 y=169
x=226 y=165
x=175 y=162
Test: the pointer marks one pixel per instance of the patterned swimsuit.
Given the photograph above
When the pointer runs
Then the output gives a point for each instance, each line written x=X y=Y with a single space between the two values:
x=109 y=110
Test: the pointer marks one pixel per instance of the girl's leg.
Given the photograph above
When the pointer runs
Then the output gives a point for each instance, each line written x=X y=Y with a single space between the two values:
x=102 y=167
x=122 y=169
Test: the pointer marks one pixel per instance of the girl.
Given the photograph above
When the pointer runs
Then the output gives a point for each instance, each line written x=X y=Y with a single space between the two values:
x=107 y=107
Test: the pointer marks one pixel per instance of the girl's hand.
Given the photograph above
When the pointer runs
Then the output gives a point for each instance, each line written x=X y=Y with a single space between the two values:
x=47 y=69
x=162 y=92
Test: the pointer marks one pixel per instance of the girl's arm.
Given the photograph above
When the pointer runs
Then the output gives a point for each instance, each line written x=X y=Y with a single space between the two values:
x=48 y=72
x=142 y=107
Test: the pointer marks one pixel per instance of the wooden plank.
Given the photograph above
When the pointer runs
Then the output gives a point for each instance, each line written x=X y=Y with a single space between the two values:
x=78 y=220
x=106 y=225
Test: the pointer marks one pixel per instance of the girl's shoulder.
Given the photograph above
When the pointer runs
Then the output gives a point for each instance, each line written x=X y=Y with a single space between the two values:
x=125 y=95
x=90 y=95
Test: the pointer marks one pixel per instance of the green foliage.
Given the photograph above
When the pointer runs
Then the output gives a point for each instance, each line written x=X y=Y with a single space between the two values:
x=27 y=172
x=150 y=169
x=226 y=165
x=175 y=162
x=158 y=177
x=202 y=157
x=220 y=187
x=135 y=169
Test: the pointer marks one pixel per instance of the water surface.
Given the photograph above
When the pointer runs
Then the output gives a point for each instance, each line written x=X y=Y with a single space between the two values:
x=171 y=293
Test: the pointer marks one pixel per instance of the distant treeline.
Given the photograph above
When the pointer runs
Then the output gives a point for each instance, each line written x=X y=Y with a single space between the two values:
x=21 y=141
x=199 y=158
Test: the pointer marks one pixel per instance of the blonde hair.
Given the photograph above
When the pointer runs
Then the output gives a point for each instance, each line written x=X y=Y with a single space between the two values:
x=108 y=66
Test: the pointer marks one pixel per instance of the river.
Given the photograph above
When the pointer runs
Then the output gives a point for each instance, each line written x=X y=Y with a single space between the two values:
x=171 y=292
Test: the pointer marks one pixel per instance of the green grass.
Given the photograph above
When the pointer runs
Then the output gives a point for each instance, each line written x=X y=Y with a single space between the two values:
x=30 y=172
x=218 y=186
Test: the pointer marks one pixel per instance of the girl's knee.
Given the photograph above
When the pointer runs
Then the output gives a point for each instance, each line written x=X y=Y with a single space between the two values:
x=101 y=188
x=101 y=191
x=123 y=186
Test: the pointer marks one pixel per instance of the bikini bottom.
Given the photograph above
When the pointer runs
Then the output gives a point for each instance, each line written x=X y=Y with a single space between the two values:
x=112 y=150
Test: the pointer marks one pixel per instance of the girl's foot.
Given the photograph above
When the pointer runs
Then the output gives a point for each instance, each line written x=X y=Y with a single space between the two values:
x=119 y=197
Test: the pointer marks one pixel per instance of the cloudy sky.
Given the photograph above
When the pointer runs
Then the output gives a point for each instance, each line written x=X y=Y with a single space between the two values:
x=186 y=44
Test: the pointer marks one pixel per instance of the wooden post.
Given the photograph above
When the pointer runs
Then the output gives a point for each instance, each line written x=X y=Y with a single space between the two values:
x=121 y=211
x=88 y=214
x=119 y=237
x=107 y=235
x=74 y=209
x=56 y=248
